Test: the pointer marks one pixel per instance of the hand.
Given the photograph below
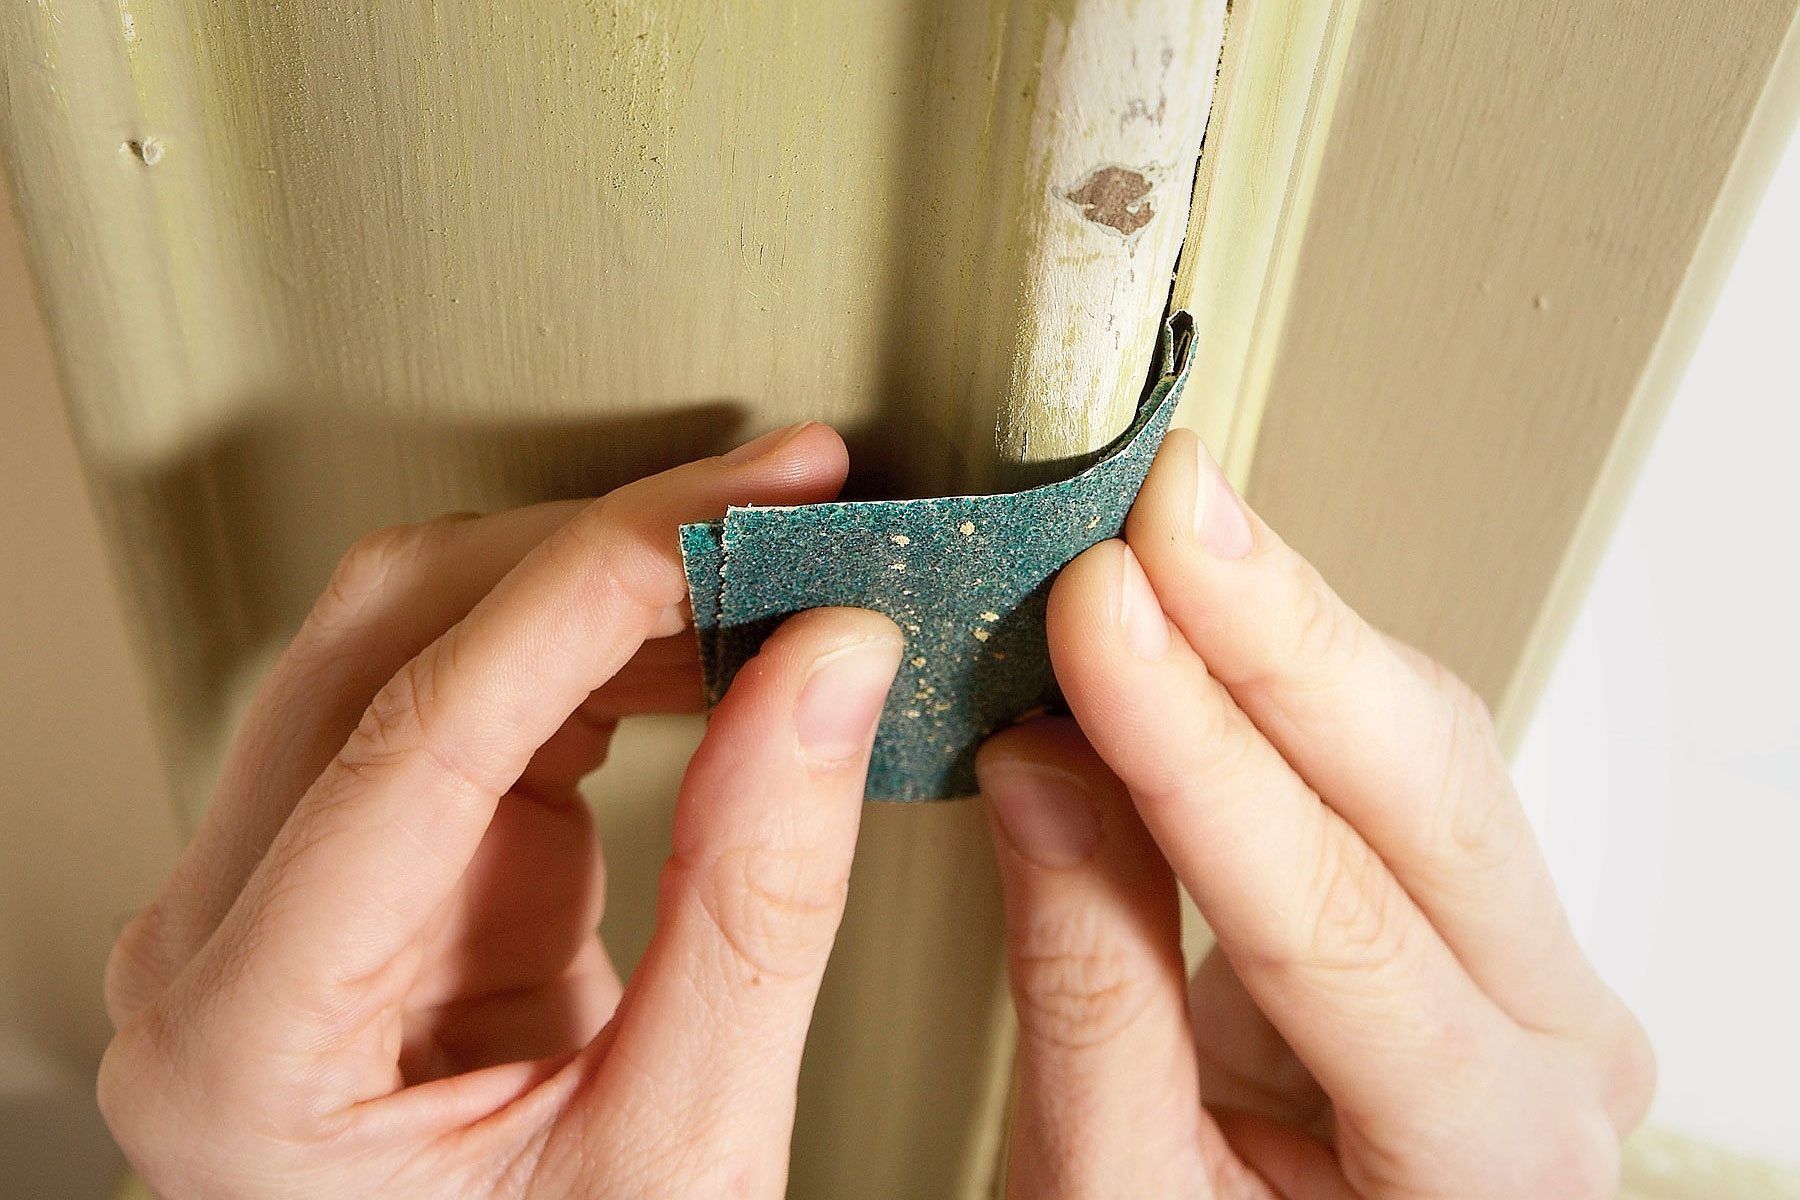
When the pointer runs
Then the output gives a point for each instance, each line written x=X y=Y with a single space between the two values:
x=1396 y=1006
x=376 y=970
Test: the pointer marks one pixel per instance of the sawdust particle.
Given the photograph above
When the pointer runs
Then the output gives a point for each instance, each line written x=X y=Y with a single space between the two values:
x=982 y=635
x=967 y=529
x=900 y=539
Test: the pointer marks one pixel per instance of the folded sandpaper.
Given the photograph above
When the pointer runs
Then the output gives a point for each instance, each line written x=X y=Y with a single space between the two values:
x=965 y=577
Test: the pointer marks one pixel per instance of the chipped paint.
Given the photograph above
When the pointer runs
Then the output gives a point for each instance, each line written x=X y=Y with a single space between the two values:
x=1114 y=197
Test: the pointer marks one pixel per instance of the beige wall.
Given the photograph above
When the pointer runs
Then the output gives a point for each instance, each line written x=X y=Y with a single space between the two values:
x=87 y=823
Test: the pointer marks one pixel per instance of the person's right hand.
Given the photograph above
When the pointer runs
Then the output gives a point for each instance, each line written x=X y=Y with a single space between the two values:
x=1396 y=1008
x=376 y=971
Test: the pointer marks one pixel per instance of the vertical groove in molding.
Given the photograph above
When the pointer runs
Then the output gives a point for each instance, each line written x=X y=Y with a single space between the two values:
x=1279 y=77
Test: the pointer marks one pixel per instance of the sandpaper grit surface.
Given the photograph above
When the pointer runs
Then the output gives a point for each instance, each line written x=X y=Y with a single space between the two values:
x=966 y=578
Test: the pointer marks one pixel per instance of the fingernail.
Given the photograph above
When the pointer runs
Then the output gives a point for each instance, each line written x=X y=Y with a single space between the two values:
x=1048 y=814
x=1146 y=628
x=1219 y=520
x=768 y=443
x=842 y=698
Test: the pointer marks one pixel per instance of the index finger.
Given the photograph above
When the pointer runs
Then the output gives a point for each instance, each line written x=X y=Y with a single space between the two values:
x=379 y=842
x=1408 y=759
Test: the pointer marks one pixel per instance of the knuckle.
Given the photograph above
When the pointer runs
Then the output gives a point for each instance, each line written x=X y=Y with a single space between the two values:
x=369 y=567
x=1325 y=634
x=132 y=1088
x=402 y=720
x=1473 y=710
x=1073 y=986
x=586 y=538
x=1467 y=708
x=375 y=565
x=1482 y=824
x=1213 y=722
x=777 y=912
x=1557 y=1145
x=1628 y=1071
x=1216 y=744
x=141 y=961
x=608 y=539
x=172 y=1106
x=1577 y=1159
x=1356 y=926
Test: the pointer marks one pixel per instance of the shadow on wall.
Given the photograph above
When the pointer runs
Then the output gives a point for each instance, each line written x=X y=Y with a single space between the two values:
x=229 y=544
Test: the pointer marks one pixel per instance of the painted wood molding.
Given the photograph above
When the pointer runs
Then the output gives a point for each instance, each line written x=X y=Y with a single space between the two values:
x=1279 y=76
x=309 y=272
x=1518 y=223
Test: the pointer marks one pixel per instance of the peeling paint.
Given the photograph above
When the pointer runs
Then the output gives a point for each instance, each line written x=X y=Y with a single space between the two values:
x=1115 y=197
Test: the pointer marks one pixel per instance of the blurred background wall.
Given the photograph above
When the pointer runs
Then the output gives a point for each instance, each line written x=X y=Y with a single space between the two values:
x=86 y=828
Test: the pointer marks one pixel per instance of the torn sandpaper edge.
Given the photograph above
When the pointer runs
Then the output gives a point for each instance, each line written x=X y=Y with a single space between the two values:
x=965 y=577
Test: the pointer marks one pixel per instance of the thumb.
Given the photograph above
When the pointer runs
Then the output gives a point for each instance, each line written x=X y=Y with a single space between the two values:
x=712 y=1025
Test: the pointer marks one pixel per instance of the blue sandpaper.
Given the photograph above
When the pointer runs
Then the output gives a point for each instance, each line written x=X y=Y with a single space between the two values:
x=965 y=577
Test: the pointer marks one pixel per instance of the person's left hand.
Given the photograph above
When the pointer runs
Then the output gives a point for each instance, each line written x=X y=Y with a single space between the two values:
x=1396 y=1007
x=376 y=969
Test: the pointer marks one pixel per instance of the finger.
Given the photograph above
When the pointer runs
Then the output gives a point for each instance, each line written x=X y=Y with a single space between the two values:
x=375 y=846
x=1324 y=939
x=393 y=594
x=1245 y=1063
x=712 y=1024
x=1293 y=1164
x=663 y=677
x=1409 y=761
x=1108 y=1103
